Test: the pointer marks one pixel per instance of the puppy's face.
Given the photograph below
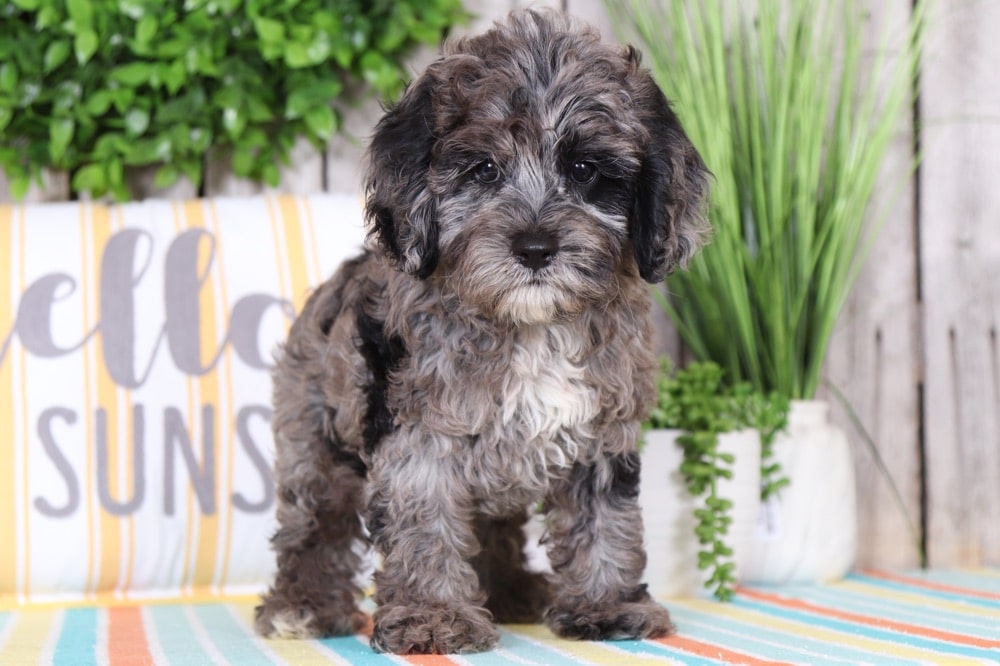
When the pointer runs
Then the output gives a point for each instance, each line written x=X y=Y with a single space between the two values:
x=532 y=169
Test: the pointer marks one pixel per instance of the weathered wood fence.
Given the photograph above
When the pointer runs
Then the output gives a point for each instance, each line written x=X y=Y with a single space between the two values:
x=917 y=351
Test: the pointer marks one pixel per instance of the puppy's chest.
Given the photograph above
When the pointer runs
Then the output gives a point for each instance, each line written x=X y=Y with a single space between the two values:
x=528 y=397
x=545 y=394
x=540 y=420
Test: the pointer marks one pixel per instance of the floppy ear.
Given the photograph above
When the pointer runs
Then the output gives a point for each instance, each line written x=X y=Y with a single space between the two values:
x=668 y=220
x=400 y=209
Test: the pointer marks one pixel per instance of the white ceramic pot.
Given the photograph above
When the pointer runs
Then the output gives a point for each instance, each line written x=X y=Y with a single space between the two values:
x=668 y=510
x=809 y=532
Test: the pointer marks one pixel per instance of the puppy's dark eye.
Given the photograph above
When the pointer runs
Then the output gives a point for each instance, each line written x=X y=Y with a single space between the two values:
x=583 y=172
x=487 y=172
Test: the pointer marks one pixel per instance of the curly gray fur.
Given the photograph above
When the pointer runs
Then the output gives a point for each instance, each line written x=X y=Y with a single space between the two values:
x=491 y=350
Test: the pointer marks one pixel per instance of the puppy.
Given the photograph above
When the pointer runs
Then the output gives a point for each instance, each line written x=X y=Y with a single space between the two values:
x=490 y=351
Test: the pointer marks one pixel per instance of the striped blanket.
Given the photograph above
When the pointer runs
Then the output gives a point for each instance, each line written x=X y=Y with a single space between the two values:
x=871 y=617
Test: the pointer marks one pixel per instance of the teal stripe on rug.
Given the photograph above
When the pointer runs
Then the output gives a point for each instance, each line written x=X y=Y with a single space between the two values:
x=175 y=636
x=649 y=648
x=868 y=631
x=927 y=592
x=534 y=653
x=77 y=644
x=758 y=639
x=983 y=582
x=229 y=637
x=356 y=650
x=972 y=623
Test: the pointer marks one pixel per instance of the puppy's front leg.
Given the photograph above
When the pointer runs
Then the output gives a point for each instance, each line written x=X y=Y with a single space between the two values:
x=597 y=555
x=420 y=515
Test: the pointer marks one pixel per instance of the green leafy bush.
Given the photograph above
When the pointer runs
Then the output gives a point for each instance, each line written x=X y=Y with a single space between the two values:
x=96 y=86
x=698 y=401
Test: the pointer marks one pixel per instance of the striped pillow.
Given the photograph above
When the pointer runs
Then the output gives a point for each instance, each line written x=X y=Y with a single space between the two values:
x=135 y=341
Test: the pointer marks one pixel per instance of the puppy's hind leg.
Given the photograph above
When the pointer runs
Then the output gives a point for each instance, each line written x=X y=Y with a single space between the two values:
x=314 y=592
x=515 y=595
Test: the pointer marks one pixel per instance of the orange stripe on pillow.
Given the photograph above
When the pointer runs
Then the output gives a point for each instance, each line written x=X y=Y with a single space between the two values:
x=316 y=275
x=295 y=246
x=281 y=257
x=128 y=644
x=208 y=391
x=224 y=376
x=108 y=404
x=190 y=533
x=125 y=478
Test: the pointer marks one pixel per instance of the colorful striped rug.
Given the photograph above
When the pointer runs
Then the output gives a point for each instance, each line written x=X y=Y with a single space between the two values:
x=871 y=617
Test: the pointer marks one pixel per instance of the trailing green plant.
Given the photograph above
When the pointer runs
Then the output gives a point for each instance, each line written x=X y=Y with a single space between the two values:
x=699 y=401
x=94 y=86
x=794 y=114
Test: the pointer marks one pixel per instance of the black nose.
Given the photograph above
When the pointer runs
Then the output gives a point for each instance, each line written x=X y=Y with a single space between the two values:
x=534 y=250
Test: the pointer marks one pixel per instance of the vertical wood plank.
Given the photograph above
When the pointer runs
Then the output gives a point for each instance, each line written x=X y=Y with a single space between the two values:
x=303 y=174
x=595 y=13
x=55 y=186
x=485 y=12
x=140 y=184
x=346 y=152
x=874 y=356
x=219 y=179
x=960 y=254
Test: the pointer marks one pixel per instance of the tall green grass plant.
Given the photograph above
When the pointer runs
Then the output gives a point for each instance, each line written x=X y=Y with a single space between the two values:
x=794 y=113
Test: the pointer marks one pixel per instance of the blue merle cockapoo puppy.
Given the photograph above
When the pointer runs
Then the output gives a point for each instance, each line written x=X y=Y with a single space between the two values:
x=492 y=350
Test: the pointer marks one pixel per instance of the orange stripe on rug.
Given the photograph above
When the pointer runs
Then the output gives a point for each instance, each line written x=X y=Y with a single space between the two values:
x=931 y=585
x=715 y=652
x=429 y=660
x=127 y=642
x=857 y=618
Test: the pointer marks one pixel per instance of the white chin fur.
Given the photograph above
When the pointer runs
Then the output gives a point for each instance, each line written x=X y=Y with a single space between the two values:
x=529 y=305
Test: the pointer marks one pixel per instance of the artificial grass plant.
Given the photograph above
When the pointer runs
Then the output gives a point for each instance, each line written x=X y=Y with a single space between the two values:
x=794 y=115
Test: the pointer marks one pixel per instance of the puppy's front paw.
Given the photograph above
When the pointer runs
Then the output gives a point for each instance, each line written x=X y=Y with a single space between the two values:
x=641 y=619
x=433 y=630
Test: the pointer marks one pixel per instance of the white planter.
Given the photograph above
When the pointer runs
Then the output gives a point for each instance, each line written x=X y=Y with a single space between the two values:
x=667 y=510
x=809 y=532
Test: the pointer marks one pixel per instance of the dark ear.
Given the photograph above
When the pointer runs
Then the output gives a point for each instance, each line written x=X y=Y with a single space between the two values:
x=668 y=221
x=400 y=209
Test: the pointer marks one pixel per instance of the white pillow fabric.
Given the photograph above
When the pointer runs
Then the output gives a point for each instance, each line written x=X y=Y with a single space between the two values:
x=135 y=340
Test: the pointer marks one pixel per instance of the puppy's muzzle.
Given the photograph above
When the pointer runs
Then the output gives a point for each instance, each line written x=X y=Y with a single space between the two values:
x=535 y=250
